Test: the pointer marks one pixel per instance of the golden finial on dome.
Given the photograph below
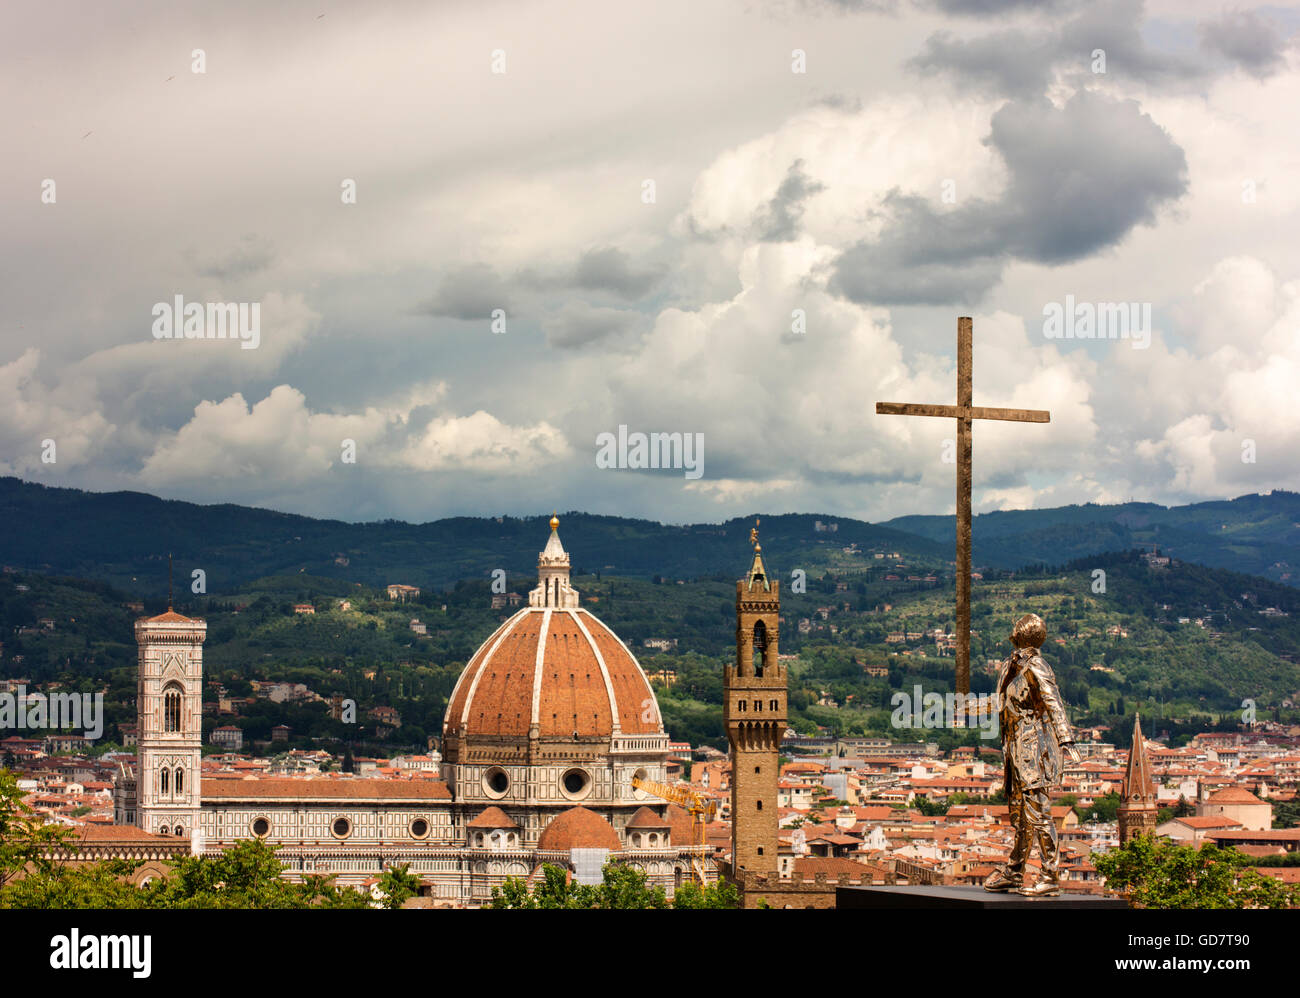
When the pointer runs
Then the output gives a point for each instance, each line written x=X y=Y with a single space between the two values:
x=555 y=521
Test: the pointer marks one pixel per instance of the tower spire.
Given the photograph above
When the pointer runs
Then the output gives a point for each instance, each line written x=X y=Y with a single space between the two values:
x=1138 y=807
x=757 y=573
x=169 y=581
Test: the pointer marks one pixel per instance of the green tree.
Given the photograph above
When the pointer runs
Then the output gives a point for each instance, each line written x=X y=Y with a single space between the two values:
x=1155 y=873
x=622 y=886
x=55 y=885
x=247 y=875
x=24 y=839
x=928 y=807
x=717 y=895
x=1105 y=808
x=397 y=884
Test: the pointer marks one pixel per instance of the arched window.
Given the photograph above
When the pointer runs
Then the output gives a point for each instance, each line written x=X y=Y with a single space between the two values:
x=760 y=645
x=180 y=780
x=162 y=780
x=172 y=707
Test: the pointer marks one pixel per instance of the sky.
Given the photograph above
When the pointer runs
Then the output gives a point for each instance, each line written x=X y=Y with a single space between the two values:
x=482 y=236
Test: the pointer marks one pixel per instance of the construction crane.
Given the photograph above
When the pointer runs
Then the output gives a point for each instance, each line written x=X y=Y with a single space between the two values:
x=702 y=810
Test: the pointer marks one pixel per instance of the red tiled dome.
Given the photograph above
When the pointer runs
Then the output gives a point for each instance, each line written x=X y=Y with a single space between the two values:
x=493 y=817
x=558 y=668
x=646 y=818
x=578 y=828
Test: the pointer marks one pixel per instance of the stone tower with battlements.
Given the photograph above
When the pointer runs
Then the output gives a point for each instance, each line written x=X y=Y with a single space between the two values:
x=754 y=712
x=1138 y=808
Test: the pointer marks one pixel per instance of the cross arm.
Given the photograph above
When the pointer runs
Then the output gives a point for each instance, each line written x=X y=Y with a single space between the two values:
x=963 y=412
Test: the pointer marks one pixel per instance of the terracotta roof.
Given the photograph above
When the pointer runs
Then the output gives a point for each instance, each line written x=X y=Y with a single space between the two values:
x=493 y=817
x=646 y=818
x=323 y=788
x=1286 y=874
x=1233 y=795
x=1208 y=821
x=588 y=678
x=680 y=825
x=578 y=828
x=834 y=867
x=98 y=834
x=170 y=617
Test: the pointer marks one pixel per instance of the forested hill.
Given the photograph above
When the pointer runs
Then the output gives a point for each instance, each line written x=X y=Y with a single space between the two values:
x=1255 y=534
x=123 y=538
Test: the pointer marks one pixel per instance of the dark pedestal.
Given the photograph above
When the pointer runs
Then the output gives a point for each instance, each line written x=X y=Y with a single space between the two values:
x=930 y=898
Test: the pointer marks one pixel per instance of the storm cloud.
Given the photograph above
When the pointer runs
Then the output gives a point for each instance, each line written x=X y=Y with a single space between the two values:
x=1080 y=178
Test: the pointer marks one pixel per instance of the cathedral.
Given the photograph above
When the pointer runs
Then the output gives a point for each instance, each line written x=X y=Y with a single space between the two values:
x=547 y=728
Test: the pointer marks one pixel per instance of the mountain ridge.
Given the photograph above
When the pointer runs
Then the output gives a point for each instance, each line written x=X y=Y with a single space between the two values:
x=124 y=538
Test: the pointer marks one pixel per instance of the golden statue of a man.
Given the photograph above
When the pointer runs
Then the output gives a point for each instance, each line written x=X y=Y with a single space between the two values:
x=1035 y=732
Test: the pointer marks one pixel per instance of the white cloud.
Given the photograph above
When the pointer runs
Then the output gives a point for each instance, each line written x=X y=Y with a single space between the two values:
x=30 y=414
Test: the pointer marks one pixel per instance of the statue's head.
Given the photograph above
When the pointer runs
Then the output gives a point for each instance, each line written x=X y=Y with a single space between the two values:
x=1029 y=632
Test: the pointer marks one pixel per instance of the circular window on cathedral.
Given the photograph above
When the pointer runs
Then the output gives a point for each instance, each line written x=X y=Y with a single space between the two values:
x=341 y=828
x=637 y=792
x=419 y=829
x=575 y=784
x=496 y=782
x=261 y=827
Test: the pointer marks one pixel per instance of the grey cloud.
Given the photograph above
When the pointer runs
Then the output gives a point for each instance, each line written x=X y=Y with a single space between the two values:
x=1018 y=63
x=471 y=291
x=778 y=220
x=579 y=324
x=610 y=269
x=1005 y=62
x=850 y=103
x=252 y=255
x=1247 y=40
x=1080 y=178
x=987 y=8
x=1116 y=28
x=854 y=6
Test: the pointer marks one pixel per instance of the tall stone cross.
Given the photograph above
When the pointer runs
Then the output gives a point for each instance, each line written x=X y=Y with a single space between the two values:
x=964 y=411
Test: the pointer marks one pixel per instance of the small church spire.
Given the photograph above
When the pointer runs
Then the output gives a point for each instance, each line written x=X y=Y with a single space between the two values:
x=169 y=582
x=1137 y=776
x=1138 y=807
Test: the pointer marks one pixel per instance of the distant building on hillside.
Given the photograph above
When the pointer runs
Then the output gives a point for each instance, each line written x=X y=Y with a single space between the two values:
x=227 y=737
